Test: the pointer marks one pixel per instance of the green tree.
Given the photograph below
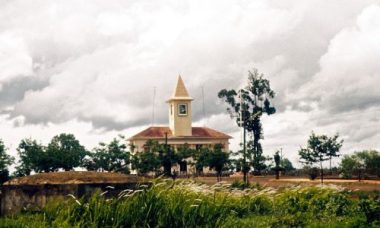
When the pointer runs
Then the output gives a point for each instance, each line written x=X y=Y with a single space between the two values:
x=112 y=157
x=155 y=156
x=359 y=163
x=320 y=148
x=66 y=152
x=277 y=168
x=351 y=165
x=32 y=157
x=167 y=157
x=200 y=157
x=333 y=147
x=247 y=106
x=5 y=161
x=145 y=162
x=287 y=165
x=184 y=152
x=371 y=159
x=217 y=160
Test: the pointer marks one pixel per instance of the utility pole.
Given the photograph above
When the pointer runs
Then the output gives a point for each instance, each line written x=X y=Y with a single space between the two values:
x=203 y=107
x=281 y=161
x=242 y=123
x=153 y=105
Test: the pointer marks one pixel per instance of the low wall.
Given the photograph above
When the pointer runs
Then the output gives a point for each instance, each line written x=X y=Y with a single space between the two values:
x=14 y=198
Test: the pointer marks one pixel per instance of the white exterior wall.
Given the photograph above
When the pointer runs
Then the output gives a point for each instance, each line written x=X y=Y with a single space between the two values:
x=139 y=147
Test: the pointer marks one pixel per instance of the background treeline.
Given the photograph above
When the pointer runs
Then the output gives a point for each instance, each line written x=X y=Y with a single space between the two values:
x=65 y=152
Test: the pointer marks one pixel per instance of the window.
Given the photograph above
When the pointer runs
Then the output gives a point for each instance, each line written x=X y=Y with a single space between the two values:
x=182 y=109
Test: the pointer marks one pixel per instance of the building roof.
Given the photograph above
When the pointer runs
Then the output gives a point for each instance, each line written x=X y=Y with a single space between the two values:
x=180 y=91
x=197 y=132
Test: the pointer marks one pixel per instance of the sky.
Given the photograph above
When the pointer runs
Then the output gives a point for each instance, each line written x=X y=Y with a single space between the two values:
x=90 y=68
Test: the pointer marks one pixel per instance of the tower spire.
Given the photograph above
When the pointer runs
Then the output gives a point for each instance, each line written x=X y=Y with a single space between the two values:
x=180 y=116
x=180 y=90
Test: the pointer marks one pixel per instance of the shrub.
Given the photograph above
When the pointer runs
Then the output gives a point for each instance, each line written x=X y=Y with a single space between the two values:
x=313 y=173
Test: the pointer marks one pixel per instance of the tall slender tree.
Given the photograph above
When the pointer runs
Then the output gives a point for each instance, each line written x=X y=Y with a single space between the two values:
x=247 y=106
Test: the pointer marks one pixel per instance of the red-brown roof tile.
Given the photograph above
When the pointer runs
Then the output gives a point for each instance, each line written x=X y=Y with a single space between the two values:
x=197 y=132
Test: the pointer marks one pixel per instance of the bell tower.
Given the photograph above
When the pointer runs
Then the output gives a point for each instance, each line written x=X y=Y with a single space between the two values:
x=180 y=116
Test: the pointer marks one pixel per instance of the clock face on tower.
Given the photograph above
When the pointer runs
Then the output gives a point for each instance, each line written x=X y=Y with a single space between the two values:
x=182 y=109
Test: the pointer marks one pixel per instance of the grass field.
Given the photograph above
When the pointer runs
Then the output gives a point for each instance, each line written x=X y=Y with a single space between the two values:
x=289 y=181
x=187 y=203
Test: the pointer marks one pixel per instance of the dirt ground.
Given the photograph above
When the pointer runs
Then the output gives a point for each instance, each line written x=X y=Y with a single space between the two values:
x=285 y=181
x=72 y=177
x=265 y=181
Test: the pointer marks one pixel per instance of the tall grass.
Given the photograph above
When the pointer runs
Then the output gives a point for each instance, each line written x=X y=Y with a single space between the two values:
x=188 y=204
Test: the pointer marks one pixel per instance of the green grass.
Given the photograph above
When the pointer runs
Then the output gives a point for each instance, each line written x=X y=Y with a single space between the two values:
x=187 y=204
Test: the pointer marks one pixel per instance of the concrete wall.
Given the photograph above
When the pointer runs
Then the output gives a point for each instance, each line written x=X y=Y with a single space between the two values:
x=14 y=198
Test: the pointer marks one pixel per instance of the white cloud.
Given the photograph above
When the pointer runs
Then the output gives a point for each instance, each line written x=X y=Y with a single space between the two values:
x=350 y=69
x=15 y=59
x=95 y=63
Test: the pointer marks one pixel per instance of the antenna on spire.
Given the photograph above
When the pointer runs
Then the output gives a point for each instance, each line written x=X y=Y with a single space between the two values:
x=154 y=103
x=203 y=107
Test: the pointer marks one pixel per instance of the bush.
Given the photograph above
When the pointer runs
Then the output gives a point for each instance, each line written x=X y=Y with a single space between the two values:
x=313 y=173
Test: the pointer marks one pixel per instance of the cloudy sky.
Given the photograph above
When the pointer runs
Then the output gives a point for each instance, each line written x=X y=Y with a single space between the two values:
x=90 y=67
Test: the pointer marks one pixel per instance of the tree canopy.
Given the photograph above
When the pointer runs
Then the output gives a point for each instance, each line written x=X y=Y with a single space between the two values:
x=33 y=157
x=247 y=106
x=110 y=157
x=65 y=152
x=217 y=159
x=5 y=161
x=320 y=148
x=360 y=163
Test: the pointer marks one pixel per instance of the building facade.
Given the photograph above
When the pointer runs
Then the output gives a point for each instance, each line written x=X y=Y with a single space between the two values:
x=180 y=130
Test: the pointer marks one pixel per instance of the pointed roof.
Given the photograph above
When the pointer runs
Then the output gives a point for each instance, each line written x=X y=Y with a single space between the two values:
x=180 y=91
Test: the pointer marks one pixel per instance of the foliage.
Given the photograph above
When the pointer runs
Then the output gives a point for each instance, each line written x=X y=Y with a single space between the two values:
x=110 y=157
x=217 y=159
x=363 y=162
x=5 y=161
x=287 y=165
x=371 y=209
x=237 y=184
x=187 y=204
x=65 y=152
x=277 y=161
x=320 y=148
x=33 y=157
x=146 y=161
x=158 y=155
x=313 y=173
x=248 y=107
x=200 y=157
x=371 y=160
